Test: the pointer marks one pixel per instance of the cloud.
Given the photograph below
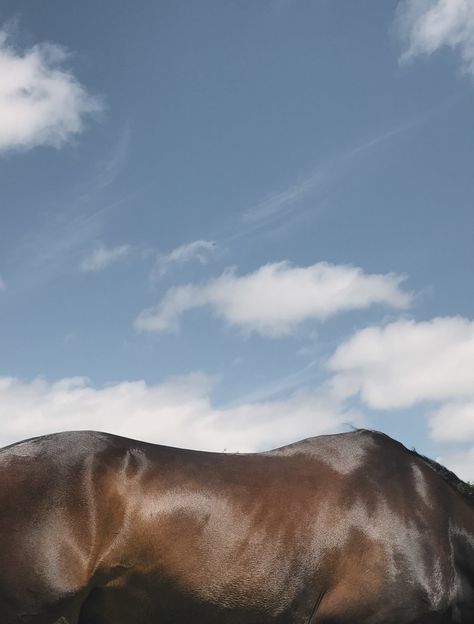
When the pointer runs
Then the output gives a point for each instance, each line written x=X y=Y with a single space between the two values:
x=310 y=189
x=460 y=462
x=405 y=362
x=453 y=422
x=103 y=257
x=197 y=250
x=177 y=412
x=426 y=26
x=111 y=166
x=41 y=102
x=276 y=298
x=283 y=202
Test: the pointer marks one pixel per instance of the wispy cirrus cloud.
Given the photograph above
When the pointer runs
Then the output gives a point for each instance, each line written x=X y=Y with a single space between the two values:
x=196 y=251
x=102 y=257
x=276 y=298
x=41 y=101
x=312 y=188
x=283 y=202
x=109 y=168
x=426 y=26
x=62 y=239
x=52 y=248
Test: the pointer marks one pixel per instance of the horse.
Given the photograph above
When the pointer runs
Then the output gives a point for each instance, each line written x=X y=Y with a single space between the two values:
x=349 y=528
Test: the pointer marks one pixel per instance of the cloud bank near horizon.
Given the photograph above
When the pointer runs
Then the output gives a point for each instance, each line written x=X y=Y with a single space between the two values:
x=177 y=412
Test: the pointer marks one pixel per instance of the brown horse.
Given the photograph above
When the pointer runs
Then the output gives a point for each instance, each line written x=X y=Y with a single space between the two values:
x=350 y=528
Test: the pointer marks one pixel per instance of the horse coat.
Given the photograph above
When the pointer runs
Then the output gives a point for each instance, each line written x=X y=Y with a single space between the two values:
x=349 y=528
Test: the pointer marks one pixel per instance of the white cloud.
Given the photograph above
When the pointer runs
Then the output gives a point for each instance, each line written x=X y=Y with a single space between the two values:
x=428 y=25
x=453 y=422
x=41 y=102
x=405 y=363
x=278 y=297
x=177 y=412
x=196 y=250
x=102 y=257
x=461 y=463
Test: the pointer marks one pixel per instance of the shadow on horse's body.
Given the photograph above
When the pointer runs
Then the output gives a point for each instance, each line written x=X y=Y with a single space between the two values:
x=350 y=528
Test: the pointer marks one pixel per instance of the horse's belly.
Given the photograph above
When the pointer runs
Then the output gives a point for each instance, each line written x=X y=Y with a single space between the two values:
x=119 y=604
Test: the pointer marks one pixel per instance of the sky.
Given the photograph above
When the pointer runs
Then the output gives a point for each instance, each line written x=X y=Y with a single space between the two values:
x=232 y=225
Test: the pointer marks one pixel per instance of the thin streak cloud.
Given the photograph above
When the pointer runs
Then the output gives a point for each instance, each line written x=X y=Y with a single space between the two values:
x=196 y=251
x=285 y=203
x=102 y=257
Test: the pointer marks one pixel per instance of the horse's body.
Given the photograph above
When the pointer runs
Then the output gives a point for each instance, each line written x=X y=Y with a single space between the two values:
x=349 y=529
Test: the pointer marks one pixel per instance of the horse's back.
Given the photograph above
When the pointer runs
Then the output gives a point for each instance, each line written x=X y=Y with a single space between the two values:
x=345 y=528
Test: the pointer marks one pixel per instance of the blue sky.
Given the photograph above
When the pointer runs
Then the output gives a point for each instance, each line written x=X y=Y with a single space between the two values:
x=230 y=225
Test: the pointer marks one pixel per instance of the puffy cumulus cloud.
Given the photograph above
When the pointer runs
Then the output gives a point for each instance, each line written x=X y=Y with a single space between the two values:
x=278 y=297
x=407 y=362
x=102 y=257
x=41 y=102
x=453 y=422
x=197 y=250
x=428 y=25
x=177 y=412
x=460 y=462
